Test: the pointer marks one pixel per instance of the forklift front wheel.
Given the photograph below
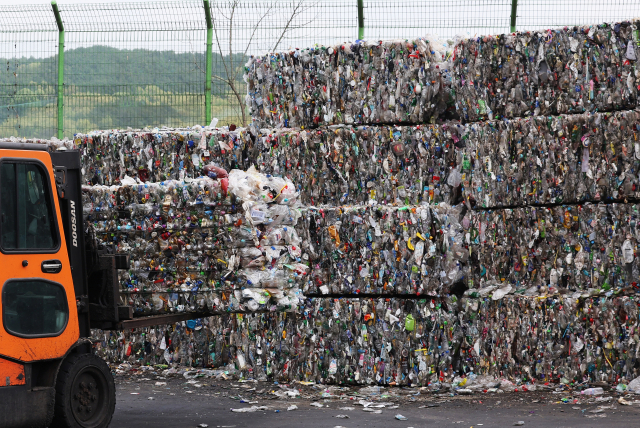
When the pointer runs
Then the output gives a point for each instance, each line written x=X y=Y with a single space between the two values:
x=85 y=393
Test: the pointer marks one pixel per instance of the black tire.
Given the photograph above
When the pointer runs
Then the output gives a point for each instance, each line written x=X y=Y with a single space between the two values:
x=85 y=393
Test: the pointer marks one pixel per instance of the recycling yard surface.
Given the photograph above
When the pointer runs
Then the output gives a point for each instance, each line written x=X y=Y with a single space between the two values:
x=145 y=399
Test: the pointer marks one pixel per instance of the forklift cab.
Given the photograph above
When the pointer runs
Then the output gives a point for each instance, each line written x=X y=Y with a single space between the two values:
x=37 y=292
x=49 y=375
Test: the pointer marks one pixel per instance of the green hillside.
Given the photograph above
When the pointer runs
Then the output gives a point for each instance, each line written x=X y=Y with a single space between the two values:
x=107 y=87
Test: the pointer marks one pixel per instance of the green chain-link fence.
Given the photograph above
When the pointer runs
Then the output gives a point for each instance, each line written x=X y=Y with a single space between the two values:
x=145 y=64
x=28 y=55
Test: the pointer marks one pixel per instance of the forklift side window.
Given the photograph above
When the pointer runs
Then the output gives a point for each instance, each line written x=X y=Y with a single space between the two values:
x=26 y=218
x=34 y=308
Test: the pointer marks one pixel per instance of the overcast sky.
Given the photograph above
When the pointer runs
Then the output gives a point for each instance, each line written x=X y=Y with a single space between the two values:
x=322 y=23
x=16 y=2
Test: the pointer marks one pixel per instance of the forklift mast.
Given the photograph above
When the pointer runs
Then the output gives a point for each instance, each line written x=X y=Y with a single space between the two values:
x=94 y=269
x=67 y=172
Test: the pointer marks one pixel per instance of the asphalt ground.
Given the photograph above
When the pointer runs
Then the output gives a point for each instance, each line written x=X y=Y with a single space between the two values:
x=176 y=402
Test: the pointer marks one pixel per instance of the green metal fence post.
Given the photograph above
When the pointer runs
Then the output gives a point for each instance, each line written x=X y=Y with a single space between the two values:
x=360 y=19
x=208 y=66
x=514 y=10
x=56 y=12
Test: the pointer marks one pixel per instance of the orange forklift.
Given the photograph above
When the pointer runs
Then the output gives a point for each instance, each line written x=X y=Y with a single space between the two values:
x=55 y=285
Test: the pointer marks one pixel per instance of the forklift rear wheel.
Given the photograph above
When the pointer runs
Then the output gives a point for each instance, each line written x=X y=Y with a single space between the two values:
x=85 y=393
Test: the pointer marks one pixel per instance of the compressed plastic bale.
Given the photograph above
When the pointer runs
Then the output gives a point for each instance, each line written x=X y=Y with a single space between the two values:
x=284 y=348
x=160 y=154
x=192 y=246
x=568 y=249
x=554 y=159
x=431 y=250
x=388 y=250
x=354 y=165
x=500 y=163
x=550 y=72
x=366 y=82
x=517 y=343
